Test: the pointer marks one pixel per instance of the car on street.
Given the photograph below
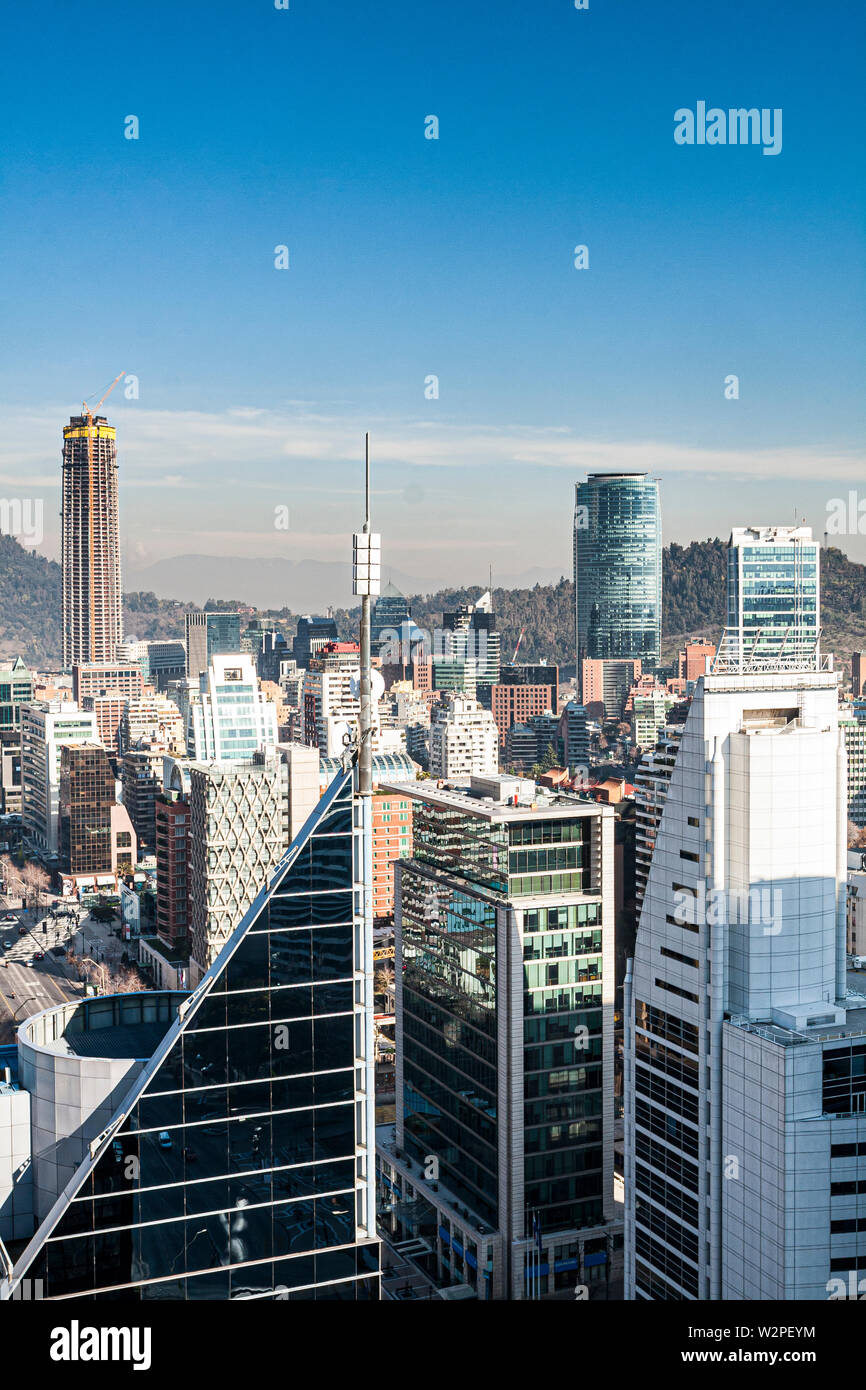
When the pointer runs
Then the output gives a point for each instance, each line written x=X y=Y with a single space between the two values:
x=39 y=955
x=164 y=1139
x=7 y=945
x=22 y=930
x=8 y=920
x=29 y=962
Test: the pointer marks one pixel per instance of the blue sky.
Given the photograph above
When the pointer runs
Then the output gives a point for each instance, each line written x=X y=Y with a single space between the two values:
x=411 y=257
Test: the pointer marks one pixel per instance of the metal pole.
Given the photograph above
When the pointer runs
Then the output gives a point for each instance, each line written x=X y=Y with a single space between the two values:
x=365 y=757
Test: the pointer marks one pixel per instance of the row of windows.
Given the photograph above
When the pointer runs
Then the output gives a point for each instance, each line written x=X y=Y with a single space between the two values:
x=675 y=989
x=97 y=1261
x=652 y=1286
x=673 y=1165
x=667 y=1093
x=563 y=1109
x=667 y=1127
x=667 y=1262
x=449 y=1087
x=844 y=1081
x=667 y=1026
x=551 y=1027
x=559 y=1000
x=545 y=1139
x=656 y=1054
x=556 y=1082
x=564 y=972
x=554 y=945
x=667 y=1228
x=560 y=918
x=549 y=832
x=534 y=885
x=681 y=959
x=669 y=1197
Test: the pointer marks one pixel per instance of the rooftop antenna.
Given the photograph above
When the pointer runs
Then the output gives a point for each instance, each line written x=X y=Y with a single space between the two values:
x=366 y=582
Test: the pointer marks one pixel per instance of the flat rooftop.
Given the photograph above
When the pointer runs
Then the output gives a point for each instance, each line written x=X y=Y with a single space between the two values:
x=549 y=807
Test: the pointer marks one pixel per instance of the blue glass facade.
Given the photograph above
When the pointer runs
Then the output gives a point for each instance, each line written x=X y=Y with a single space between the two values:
x=773 y=597
x=618 y=568
x=234 y=1169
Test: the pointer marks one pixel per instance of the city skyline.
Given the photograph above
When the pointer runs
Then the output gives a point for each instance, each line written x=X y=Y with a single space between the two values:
x=433 y=778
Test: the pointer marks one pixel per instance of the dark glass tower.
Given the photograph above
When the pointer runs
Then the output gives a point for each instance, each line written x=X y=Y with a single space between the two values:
x=390 y=611
x=618 y=568
x=238 y=1165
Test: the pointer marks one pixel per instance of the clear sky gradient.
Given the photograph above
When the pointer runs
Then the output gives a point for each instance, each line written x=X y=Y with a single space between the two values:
x=411 y=257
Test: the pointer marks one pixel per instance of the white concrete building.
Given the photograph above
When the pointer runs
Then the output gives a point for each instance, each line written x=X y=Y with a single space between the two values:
x=232 y=719
x=464 y=740
x=745 y=1084
x=46 y=725
x=237 y=834
x=152 y=719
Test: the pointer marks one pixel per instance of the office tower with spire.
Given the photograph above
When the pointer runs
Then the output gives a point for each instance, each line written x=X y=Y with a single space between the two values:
x=92 y=599
x=618 y=568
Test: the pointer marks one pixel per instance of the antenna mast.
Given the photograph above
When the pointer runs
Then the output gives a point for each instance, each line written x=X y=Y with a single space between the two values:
x=366 y=582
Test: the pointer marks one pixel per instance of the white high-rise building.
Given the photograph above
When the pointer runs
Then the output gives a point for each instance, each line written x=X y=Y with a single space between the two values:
x=46 y=725
x=237 y=835
x=155 y=720
x=464 y=739
x=773 y=593
x=745 y=1082
x=231 y=719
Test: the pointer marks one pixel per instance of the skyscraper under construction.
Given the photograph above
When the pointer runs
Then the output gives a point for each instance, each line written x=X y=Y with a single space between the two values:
x=92 y=601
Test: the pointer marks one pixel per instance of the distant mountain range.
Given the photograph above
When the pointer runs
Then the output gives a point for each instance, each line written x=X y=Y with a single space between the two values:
x=539 y=601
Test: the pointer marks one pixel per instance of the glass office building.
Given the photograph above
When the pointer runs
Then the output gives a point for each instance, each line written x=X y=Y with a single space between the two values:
x=239 y=1164
x=504 y=925
x=618 y=568
x=390 y=612
x=773 y=593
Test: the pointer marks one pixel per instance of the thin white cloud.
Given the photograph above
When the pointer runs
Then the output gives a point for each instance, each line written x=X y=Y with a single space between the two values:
x=208 y=442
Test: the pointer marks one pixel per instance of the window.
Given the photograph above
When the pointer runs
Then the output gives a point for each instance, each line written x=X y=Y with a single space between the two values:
x=683 y=960
x=687 y=854
x=675 y=989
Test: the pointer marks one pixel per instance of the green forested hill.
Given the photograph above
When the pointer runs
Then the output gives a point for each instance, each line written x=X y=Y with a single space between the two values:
x=693 y=589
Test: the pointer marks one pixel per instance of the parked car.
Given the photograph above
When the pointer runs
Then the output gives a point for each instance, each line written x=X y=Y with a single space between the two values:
x=7 y=945
x=164 y=1139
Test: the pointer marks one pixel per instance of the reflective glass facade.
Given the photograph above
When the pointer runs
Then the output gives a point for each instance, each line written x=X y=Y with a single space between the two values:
x=773 y=595
x=237 y=1168
x=618 y=567
x=502 y=1028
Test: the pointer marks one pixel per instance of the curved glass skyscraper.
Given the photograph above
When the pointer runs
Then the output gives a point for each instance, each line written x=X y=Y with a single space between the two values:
x=618 y=568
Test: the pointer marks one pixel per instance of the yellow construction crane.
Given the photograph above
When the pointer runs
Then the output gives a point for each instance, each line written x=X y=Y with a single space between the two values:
x=90 y=414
